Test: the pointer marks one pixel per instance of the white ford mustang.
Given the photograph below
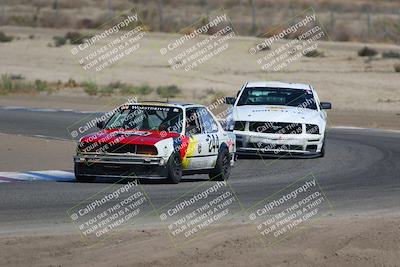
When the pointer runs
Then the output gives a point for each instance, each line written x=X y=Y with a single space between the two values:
x=278 y=118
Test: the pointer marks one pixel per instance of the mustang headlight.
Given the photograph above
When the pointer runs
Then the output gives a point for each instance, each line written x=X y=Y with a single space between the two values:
x=312 y=129
x=230 y=125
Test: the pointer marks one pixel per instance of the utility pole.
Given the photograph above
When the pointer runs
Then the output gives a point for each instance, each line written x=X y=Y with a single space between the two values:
x=368 y=24
x=55 y=7
x=109 y=9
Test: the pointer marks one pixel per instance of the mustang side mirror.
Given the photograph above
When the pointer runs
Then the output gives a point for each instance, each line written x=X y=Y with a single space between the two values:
x=100 y=124
x=326 y=105
x=230 y=100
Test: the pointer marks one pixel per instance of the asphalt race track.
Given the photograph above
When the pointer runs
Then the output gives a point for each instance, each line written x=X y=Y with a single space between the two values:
x=360 y=173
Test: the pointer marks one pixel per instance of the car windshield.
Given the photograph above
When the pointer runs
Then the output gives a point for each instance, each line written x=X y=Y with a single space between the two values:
x=278 y=97
x=147 y=118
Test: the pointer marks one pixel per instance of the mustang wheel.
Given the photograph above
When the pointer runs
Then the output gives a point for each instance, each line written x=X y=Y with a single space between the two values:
x=222 y=167
x=174 y=168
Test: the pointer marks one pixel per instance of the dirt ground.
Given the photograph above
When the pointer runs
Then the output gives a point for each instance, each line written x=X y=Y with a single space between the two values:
x=358 y=240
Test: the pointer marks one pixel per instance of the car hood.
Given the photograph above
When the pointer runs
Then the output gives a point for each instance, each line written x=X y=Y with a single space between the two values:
x=276 y=114
x=128 y=137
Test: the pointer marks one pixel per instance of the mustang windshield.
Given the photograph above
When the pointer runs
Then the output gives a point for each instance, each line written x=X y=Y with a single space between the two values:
x=278 y=97
x=147 y=118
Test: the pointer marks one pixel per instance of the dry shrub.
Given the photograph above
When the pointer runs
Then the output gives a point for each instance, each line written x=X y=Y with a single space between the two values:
x=367 y=52
x=396 y=67
x=342 y=34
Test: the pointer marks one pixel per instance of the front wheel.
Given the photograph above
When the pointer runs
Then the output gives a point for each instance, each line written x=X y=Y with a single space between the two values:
x=174 y=168
x=222 y=168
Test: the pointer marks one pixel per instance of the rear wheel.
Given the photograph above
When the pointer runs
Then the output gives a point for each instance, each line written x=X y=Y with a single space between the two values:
x=174 y=168
x=222 y=168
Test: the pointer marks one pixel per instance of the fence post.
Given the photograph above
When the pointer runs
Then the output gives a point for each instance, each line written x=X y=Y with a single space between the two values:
x=55 y=7
x=2 y=13
x=369 y=25
x=253 y=15
x=161 y=15
x=109 y=9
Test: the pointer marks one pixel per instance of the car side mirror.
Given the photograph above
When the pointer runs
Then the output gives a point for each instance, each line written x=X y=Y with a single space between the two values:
x=326 y=105
x=100 y=124
x=230 y=100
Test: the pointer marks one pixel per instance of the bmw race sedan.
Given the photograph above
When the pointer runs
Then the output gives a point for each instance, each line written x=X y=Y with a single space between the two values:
x=156 y=140
x=278 y=118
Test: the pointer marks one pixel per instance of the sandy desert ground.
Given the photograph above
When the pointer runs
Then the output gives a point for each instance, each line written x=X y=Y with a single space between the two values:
x=358 y=240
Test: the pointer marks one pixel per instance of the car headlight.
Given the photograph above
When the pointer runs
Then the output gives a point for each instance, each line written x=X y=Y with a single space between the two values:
x=230 y=125
x=312 y=129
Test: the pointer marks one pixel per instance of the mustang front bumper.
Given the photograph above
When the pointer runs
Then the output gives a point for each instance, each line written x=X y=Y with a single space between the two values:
x=119 y=165
x=259 y=143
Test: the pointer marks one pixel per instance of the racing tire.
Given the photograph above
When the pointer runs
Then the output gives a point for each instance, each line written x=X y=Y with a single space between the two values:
x=85 y=179
x=222 y=168
x=174 y=168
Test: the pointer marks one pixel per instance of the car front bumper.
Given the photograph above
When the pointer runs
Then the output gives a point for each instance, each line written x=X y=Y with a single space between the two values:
x=278 y=144
x=121 y=166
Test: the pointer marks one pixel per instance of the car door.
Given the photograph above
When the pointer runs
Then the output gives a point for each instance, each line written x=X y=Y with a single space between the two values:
x=198 y=153
x=213 y=137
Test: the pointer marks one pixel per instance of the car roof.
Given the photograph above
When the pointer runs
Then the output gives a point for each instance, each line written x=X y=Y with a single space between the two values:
x=167 y=104
x=278 y=84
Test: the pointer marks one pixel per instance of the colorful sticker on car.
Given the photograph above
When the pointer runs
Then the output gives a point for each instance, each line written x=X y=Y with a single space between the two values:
x=191 y=148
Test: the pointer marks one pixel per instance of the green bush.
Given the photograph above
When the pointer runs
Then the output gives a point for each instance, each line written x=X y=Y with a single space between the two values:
x=71 y=83
x=6 y=83
x=41 y=86
x=367 y=52
x=116 y=85
x=391 y=54
x=168 y=91
x=106 y=91
x=5 y=38
x=90 y=87
x=59 y=41
x=136 y=90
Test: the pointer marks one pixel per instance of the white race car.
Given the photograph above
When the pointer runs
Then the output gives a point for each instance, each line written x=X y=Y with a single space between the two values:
x=156 y=140
x=278 y=118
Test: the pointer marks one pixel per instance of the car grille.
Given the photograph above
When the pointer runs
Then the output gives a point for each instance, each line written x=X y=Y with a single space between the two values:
x=266 y=146
x=107 y=148
x=276 y=127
